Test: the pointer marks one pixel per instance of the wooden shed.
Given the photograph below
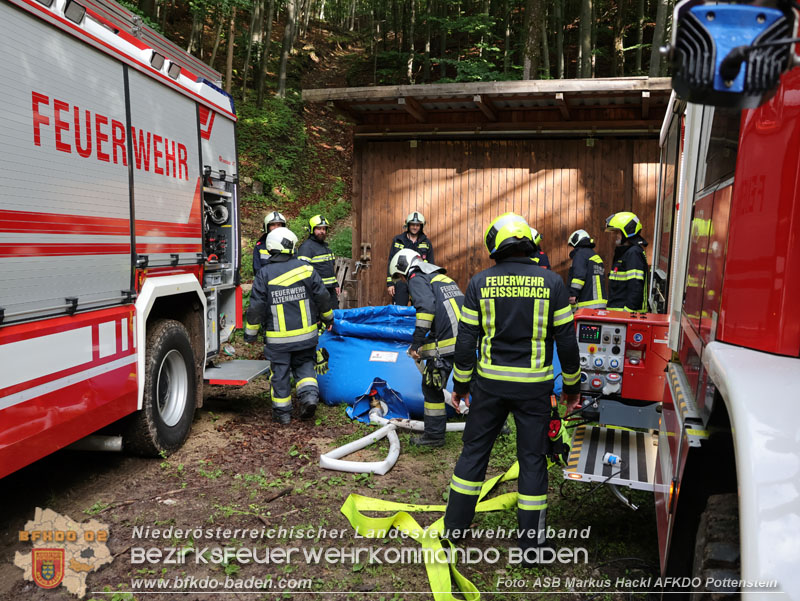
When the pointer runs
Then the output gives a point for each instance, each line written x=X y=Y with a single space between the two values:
x=563 y=153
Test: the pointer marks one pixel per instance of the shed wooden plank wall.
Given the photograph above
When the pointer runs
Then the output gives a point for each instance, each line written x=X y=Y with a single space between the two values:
x=461 y=185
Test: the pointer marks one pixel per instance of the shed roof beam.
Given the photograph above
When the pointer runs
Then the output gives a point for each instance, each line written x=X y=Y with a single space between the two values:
x=413 y=108
x=562 y=106
x=645 y=104
x=486 y=107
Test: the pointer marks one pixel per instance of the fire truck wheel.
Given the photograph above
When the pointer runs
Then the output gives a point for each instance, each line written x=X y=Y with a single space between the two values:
x=169 y=392
x=716 y=552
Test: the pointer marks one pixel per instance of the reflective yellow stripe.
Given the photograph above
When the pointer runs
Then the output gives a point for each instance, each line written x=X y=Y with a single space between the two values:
x=322 y=258
x=470 y=312
x=462 y=375
x=398 y=245
x=531 y=502
x=281 y=401
x=562 y=316
x=286 y=333
x=596 y=259
x=304 y=311
x=306 y=382
x=468 y=320
x=624 y=276
x=440 y=277
x=456 y=310
x=465 y=487
x=592 y=304
x=303 y=258
x=440 y=344
x=251 y=328
x=576 y=283
x=329 y=281
x=514 y=374
x=434 y=406
x=263 y=252
x=488 y=328
x=571 y=378
x=282 y=318
x=292 y=276
x=425 y=316
x=328 y=314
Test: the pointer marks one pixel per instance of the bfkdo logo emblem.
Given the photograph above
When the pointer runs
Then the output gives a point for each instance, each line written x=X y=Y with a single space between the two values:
x=48 y=567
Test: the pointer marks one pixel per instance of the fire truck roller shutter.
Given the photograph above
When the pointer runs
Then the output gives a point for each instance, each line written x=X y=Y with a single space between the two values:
x=217 y=142
x=166 y=174
x=65 y=204
x=165 y=419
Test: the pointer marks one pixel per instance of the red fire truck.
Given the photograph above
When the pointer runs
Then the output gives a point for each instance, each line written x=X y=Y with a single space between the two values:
x=695 y=401
x=119 y=234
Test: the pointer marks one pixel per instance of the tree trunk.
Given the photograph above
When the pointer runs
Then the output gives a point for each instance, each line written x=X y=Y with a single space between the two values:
x=197 y=26
x=585 y=34
x=532 y=50
x=252 y=34
x=288 y=34
x=426 y=69
x=322 y=10
x=443 y=40
x=507 y=38
x=639 y=36
x=619 y=45
x=594 y=37
x=411 y=20
x=658 y=38
x=352 y=15
x=217 y=38
x=148 y=7
x=485 y=13
x=229 y=60
x=559 y=17
x=269 y=9
x=545 y=49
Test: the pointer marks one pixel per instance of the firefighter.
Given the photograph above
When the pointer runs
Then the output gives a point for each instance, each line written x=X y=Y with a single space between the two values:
x=511 y=314
x=585 y=278
x=288 y=298
x=260 y=252
x=538 y=256
x=316 y=252
x=414 y=238
x=438 y=300
x=627 y=282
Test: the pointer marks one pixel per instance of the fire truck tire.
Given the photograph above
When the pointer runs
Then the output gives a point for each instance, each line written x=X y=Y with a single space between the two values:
x=716 y=552
x=168 y=406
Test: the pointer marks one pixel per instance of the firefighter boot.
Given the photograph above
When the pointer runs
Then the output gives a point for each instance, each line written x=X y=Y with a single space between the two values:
x=433 y=436
x=284 y=418
x=308 y=401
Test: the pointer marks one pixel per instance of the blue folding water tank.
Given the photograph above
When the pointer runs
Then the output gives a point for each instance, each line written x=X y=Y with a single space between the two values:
x=369 y=343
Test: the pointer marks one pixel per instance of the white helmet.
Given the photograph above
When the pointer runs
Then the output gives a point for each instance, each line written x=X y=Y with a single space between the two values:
x=536 y=236
x=281 y=240
x=576 y=237
x=415 y=217
x=274 y=217
x=402 y=262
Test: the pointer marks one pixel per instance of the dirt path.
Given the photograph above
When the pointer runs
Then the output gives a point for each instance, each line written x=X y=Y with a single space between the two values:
x=239 y=470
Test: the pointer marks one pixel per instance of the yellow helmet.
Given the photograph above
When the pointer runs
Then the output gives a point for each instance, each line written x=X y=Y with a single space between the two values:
x=506 y=231
x=317 y=221
x=536 y=236
x=625 y=222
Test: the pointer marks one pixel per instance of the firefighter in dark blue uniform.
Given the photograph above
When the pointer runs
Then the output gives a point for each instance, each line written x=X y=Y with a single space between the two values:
x=289 y=299
x=585 y=279
x=260 y=252
x=511 y=314
x=415 y=239
x=538 y=256
x=627 y=281
x=437 y=299
x=316 y=252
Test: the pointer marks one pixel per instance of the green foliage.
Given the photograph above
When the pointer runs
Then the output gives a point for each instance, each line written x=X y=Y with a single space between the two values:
x=342 y=243
x=134 y=8
x=273 y=145
x=332 y=210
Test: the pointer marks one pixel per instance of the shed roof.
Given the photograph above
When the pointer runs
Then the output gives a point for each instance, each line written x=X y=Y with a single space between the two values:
x=612 y=106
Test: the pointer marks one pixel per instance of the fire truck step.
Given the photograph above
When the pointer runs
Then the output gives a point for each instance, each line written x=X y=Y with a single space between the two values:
x=235 y=373
x=636 y=452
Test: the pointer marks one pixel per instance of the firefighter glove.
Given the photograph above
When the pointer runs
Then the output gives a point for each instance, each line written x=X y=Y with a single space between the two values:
x=321 y=361
x=433 y=376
